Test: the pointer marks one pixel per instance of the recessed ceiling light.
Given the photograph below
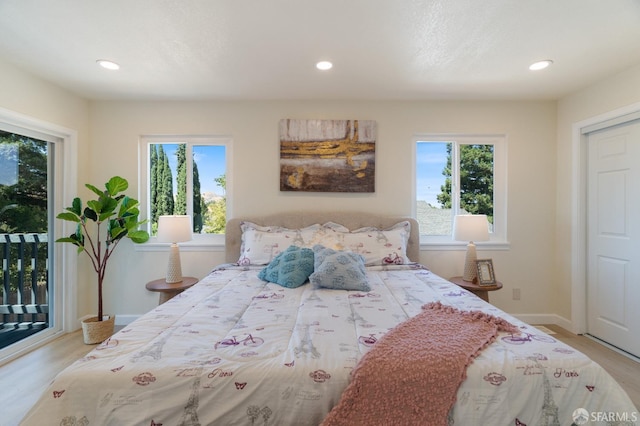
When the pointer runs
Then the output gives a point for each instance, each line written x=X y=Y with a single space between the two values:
x=110 y=65
x=324 y=65
x=540 y=65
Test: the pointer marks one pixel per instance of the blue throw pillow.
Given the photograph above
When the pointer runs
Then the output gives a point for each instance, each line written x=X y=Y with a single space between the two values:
x=290 y=269
x=340 y=270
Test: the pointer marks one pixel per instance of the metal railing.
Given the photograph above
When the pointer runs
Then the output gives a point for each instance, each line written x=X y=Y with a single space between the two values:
x=24 y=289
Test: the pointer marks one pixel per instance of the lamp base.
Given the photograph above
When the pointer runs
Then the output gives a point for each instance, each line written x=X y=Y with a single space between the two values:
x=470 y=269
x=174 y=270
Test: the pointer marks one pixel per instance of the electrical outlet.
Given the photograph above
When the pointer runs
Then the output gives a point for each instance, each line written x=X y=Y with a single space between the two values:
x=516 y=294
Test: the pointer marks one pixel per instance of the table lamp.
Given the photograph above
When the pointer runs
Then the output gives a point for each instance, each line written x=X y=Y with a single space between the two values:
x=174 y=229
x=470 y=227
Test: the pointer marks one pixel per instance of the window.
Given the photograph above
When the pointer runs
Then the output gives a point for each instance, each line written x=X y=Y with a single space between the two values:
x=458 y=174
x=186 y=175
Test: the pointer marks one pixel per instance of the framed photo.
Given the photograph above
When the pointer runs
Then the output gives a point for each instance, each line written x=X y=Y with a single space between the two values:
x=485 y=272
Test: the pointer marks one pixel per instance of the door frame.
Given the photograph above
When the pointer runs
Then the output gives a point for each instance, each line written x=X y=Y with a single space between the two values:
x=579 y=207
x=63 y=315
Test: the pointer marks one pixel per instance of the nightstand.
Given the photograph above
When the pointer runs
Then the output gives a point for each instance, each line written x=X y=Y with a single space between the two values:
x=168 y=290
x=482 y=291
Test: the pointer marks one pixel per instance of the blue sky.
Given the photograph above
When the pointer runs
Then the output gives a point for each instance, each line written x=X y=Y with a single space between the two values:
x=211 y=164
x=431 y=160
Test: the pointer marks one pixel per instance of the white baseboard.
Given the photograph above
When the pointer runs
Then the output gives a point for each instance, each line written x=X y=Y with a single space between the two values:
x=126 y=319
x=121 y=320
x=539 y=319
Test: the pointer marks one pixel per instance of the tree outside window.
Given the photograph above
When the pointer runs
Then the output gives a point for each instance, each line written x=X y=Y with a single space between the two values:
x=457 y=176
x=476 y=180
x=177 y=187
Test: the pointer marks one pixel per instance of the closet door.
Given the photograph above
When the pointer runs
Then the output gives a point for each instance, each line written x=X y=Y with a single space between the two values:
x=613 y=236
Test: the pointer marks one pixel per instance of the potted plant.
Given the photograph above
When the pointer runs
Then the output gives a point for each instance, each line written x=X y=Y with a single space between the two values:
x=119 y=213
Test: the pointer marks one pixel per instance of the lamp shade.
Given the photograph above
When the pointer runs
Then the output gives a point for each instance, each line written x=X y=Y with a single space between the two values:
x=174 y=229
x=470 y=227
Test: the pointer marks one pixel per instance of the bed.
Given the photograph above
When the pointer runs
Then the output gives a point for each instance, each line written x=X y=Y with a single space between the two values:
x=238 y=349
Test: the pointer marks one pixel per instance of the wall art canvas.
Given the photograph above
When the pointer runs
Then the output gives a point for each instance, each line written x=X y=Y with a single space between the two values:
x=327 y=155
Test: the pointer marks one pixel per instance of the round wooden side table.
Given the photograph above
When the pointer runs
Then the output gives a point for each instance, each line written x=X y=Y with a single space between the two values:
x=168 y=290
x=482 y=291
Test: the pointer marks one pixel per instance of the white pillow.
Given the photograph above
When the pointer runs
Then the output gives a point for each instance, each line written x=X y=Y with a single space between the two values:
x=261 y=244
x=377 y=246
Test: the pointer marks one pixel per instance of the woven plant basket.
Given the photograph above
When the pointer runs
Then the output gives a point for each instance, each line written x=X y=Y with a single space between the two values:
x=95 y=331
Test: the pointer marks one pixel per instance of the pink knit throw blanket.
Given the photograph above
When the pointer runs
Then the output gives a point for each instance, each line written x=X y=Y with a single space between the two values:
x=412 y=374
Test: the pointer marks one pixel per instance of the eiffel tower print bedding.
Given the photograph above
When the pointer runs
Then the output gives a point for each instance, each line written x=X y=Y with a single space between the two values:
x=234 y=349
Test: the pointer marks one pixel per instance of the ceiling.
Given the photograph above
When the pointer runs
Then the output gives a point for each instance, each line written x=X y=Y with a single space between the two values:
x=267 y=49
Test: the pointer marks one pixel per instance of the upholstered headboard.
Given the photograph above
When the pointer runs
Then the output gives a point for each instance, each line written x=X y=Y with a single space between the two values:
x=294 y=220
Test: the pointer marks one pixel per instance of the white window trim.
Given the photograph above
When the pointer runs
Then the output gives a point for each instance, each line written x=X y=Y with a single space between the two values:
x=200 y=242
x=498 y=238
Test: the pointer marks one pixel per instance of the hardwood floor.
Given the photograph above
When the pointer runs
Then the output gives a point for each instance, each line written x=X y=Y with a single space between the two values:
x=625 y=370
x=23 y=379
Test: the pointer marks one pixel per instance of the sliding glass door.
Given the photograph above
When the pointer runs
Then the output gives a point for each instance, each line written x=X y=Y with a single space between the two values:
x=25 y=214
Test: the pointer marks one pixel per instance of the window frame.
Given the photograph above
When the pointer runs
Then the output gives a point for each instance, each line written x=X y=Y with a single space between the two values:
x=498 y=238
x=200 y=242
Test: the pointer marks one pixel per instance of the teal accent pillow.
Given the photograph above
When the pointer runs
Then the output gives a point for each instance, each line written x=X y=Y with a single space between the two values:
x=291 y=268
x=340 y=270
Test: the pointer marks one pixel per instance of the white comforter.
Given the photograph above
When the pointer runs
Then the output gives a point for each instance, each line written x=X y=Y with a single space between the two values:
x=234 y=350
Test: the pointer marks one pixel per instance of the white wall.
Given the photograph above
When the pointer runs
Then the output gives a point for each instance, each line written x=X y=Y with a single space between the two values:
x=108 y=141
x=611 y=94
x=529 y=126
x=30 y=96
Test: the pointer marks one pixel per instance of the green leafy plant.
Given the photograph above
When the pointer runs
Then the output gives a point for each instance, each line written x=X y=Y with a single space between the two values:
x=118 y=212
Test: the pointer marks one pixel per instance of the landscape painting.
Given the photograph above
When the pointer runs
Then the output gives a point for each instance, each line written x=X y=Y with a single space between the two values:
x=327 y=155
